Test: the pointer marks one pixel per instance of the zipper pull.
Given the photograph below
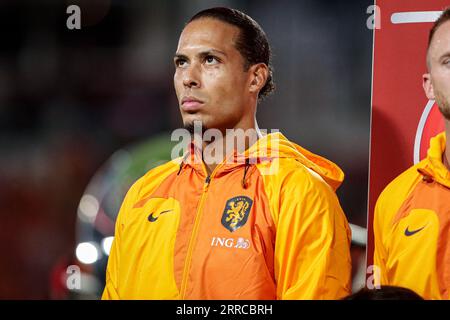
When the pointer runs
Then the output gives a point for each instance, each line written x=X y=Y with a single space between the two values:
x=206 y=185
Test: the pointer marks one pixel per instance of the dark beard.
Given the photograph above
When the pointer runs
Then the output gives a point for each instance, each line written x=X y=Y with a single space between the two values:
x=191 y=128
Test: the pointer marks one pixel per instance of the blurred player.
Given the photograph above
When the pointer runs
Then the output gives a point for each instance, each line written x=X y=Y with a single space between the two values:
x=412 y=215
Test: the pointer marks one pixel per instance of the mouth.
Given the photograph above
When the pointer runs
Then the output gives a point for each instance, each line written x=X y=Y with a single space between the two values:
x=191 y=104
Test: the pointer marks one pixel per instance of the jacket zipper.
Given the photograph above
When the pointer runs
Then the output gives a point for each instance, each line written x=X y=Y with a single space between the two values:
x=198 y=216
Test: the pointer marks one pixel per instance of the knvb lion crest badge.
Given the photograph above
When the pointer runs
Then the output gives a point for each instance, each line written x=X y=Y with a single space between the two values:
x=236 y=212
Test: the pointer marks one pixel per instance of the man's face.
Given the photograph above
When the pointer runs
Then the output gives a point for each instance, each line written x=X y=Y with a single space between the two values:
x=210 y=81
x=437 y=81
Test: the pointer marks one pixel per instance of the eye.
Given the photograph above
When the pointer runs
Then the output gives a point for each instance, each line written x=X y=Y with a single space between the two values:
x=211 y=60
x=180 y=62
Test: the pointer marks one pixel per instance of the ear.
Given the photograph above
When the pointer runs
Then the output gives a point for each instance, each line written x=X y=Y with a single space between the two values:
x=258 y=77
x=428 y=86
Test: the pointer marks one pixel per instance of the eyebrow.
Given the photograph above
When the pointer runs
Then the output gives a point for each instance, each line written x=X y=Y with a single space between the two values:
x=201 y=54
x=444 y=55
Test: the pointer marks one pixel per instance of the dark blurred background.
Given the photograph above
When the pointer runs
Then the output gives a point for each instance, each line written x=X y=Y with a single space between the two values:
x=70 y=99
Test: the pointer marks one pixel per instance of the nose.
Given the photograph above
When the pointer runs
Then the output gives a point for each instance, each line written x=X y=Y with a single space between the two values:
x=191 y=77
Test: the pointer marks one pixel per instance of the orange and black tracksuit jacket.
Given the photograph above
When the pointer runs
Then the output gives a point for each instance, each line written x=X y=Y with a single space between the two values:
x=412 y=227
x=267 y=227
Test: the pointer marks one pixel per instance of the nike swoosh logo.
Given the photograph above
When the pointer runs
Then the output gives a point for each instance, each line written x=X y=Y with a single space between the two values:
x=409 y=233
x=151 y=218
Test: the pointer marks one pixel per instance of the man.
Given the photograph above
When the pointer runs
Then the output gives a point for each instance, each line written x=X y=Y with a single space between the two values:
x=262 y=223
x=412 y=215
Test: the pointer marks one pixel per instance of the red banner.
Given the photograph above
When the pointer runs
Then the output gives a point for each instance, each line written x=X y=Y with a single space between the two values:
x=403 y=119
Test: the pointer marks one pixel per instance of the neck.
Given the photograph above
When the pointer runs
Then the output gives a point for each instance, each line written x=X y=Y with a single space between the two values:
x=222 y=147
x=446 y=155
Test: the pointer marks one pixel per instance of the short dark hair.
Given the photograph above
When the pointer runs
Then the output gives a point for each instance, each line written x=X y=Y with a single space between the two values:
x=252 y=42
x=444 y=17
x=384 y=293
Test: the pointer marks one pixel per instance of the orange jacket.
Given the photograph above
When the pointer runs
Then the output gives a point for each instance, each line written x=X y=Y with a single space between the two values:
x=412 y=227
x=269 y=227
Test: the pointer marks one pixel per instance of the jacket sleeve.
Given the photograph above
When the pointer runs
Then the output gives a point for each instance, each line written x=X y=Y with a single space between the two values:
x=111 y=290
x=312 y=248
x=379 y=254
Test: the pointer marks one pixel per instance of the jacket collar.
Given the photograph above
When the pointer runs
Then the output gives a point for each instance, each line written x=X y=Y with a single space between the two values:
x=432 y=167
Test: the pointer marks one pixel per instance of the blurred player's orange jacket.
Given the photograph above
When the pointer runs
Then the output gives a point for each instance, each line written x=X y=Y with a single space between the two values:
x=267 y=226
x=412 y=227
